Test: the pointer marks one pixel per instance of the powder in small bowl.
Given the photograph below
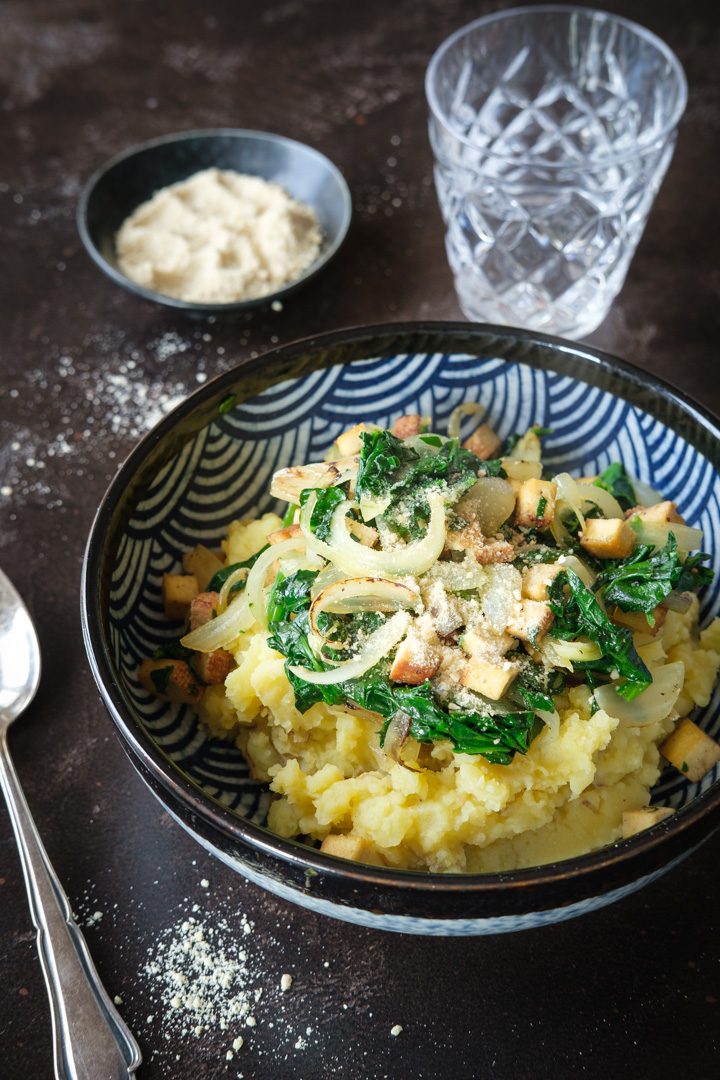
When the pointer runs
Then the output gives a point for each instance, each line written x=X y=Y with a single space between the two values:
x=218 y=237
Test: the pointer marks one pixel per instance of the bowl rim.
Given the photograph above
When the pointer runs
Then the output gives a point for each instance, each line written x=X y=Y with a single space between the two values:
x=139 y=743
x=205 y=308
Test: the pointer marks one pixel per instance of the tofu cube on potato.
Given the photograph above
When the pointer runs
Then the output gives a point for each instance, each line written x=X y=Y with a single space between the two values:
x=658 y=514
x=170 y=680
x=407 y=426
x=414 y=662
x=213 y=668
x=178 y=592
x=350 y=442
x=637 y=620
x=690 y=750
x=491 y=680
x=537 y=578
x=634 y=821
x=535 y=503
x=607 y=538
x=529 y=620
x=483 y=443
x=349 y=846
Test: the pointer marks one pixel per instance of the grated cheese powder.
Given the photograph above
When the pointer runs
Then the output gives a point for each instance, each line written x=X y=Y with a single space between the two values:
x=218 y=237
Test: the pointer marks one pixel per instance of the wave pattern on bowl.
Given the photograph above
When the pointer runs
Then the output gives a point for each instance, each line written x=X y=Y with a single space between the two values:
x=225 y=473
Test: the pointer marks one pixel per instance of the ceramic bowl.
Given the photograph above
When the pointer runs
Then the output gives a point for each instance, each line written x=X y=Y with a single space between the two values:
x=129 y=179
x=197 y=470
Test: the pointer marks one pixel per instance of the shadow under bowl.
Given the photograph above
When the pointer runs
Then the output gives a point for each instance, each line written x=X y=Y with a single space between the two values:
x=198 y=470
x=133 y=177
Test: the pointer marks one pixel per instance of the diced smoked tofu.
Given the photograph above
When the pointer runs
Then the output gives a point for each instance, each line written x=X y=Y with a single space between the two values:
x=203 y=608
x=607 y=538
x=477 y=644
x=537 y=578
x=178 y=592
x=637 y=620
x=287 y=533
x=407 y=426
x=535 y=503
x=483 y=442
x=213 y=667
x=203 y=564
x=634 y=821
x=470 y=538
x=492 y=680
x=348 y=846
x=171 y=680
x=365 y=533
x=529 y=620
x=659 y=513
x=690 y=750
x=414 y=662
x=350 y=442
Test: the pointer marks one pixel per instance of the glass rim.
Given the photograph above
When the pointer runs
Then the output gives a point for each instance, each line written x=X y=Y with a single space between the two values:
x=640 y=150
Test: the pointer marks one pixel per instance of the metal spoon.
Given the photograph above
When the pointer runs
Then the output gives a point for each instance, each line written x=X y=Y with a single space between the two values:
x=90 y=1040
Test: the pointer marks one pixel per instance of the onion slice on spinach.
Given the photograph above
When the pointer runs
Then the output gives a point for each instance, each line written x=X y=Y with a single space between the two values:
x=351 y=595
x=657 y=533
x=650 y=707
x=376 y=646
x=356 y=560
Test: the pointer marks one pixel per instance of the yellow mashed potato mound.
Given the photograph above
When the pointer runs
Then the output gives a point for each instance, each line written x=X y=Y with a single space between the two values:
x=565 y=797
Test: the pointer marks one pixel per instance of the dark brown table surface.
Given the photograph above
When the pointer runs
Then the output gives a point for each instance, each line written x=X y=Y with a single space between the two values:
x=631 y=991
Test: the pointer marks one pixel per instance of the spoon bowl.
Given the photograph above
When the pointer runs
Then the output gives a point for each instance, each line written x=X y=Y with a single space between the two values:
x=19 y=654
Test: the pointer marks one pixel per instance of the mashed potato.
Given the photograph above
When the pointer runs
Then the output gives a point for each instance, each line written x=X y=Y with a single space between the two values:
x=564 y=797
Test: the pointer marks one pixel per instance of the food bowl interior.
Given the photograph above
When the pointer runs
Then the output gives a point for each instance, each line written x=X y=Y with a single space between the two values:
x=206 y=469
x=134 y=177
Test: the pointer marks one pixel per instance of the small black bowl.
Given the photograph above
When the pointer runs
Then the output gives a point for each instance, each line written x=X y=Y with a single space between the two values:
x=130 y=178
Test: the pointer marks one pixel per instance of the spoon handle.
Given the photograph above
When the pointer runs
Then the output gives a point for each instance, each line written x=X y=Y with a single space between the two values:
x=90 y=1040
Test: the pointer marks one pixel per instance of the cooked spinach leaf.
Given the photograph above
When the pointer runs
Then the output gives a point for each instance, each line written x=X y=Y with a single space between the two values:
x=615 y=480
x=578 y=614
x=381 y=456
x=644 y=579
x=328 y=500
x=497 y=738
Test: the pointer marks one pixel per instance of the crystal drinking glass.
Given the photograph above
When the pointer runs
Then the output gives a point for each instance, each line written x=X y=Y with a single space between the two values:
x=552 y=128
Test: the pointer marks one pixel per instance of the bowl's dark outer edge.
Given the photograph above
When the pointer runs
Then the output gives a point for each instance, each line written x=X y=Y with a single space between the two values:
x=188 y=307
x=392 y=891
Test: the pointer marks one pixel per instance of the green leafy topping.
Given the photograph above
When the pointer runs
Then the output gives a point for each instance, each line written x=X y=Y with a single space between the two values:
x=540 y=431
x=540 y=508
x=220 y=577
x=389 y=468
x=579 y=614
x=161 y=678
x=684 y=767
x=381 y=456
x=289 y=516
x=497 y=738
x=615 y=480
x=535 y=686
x=172 y=651
x=328 y=500
x=644 y=579
x=227 y=404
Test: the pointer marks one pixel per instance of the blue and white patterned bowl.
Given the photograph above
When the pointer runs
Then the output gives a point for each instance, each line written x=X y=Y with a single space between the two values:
x=197 y=470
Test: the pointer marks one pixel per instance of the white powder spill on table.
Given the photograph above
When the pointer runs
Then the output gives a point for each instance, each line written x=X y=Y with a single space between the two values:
x=209 y=977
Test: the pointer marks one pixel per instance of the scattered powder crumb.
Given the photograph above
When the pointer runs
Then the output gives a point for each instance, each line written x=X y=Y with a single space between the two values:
x=251 y=1021
x=205 y=884
x=277 y=305
x=237 y=1043
x=286 y=982
x=396 y=1030
x=118 y=1000
x=94 y=919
